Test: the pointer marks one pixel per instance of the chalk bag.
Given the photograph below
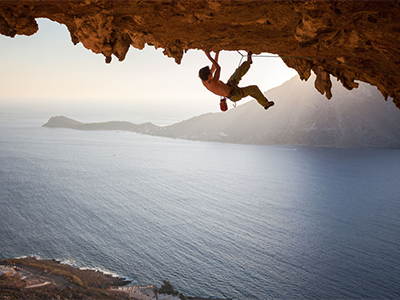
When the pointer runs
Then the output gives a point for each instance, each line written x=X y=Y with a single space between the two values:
x=223 y=105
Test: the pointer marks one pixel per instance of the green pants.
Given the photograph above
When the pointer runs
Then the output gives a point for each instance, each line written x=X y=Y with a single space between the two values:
x=252 y=90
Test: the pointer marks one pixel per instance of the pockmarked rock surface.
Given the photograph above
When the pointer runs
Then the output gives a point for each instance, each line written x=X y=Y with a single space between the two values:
x=350 y=40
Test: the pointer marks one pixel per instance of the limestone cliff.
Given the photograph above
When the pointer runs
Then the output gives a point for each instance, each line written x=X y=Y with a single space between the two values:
x=351 y=40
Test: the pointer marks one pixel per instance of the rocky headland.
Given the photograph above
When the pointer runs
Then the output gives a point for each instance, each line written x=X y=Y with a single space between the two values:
x=37 y=279
x=30 y=278
x=300 y=117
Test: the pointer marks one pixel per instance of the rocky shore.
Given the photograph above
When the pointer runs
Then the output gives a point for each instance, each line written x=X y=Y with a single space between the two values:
x=31 y=278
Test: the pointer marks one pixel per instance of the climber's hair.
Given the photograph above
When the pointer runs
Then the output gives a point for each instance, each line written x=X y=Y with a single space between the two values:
x=204 y=73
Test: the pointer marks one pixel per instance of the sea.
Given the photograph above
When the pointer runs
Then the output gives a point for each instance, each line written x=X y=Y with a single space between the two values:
x=214 y=219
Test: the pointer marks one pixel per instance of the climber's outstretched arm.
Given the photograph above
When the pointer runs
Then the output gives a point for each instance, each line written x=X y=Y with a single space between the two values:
x=215 y=66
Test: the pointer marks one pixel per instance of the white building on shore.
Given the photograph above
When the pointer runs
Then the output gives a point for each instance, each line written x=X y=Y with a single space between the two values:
x=138 y=292
x=5 y=270
x=167 y=297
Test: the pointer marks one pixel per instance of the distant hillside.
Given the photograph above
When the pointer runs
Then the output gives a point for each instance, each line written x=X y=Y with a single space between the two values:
x=301 y=116
x=64 y=122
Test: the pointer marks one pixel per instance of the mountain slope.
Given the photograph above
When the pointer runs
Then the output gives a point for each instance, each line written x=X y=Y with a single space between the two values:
x=301 y=116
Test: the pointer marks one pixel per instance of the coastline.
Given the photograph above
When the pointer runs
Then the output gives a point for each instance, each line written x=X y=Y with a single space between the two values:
x=33 y=278
x=77 y=276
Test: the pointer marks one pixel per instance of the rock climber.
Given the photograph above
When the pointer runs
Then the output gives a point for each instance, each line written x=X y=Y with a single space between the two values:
x=230 y=90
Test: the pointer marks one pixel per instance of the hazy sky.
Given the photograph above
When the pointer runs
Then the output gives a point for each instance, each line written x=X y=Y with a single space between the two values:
x=47 y=72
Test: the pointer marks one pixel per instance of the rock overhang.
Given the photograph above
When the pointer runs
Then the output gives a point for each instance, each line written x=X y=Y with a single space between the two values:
x=350 y=40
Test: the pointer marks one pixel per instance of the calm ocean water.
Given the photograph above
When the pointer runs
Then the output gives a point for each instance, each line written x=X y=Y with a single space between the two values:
x=238 y=221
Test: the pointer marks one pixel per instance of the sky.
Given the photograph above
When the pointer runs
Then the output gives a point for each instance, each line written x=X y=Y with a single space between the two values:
x=45 y=73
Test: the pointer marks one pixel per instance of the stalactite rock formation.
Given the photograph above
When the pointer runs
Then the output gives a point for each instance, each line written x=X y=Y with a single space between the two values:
x=349 y=40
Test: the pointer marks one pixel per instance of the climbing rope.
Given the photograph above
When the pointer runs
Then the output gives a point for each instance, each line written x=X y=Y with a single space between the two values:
x=257 y=55
x=315 y=57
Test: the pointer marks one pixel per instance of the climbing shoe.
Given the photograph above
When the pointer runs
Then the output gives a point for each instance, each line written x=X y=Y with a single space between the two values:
x=270 y=103
x=249 y=59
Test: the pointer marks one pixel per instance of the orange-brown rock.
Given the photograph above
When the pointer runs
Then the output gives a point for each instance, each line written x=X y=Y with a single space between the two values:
x=351 y=40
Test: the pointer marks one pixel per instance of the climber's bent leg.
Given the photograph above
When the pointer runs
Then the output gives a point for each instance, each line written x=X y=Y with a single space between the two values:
x=255 y=92
x=239 y=73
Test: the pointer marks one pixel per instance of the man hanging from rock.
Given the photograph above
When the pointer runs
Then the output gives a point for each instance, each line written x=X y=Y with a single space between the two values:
x=210 y=79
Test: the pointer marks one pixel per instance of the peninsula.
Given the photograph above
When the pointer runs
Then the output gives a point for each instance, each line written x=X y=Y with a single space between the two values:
x=31 y=278
x=352 y=120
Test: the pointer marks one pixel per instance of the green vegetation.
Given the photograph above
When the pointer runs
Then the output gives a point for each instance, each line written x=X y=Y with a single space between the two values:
x=167 y=288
